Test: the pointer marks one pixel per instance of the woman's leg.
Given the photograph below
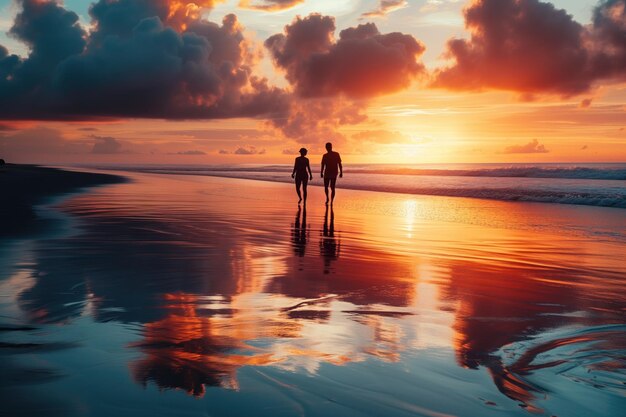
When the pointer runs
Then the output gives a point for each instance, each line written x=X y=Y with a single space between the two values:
x=298 y=182
x=305 y=182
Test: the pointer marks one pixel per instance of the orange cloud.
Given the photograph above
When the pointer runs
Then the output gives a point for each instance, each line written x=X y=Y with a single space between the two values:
x=385 y=7
x=362 y=63
x=269 y=5
x=333 y=79
x=181 y=12
x=530 y=47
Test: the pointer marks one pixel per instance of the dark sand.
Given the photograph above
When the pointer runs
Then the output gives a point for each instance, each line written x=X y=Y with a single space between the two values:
x=23 y=186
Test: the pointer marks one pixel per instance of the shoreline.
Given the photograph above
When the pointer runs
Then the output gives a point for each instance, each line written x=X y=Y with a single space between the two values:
x=596 y=222
x=504 y=194
x=26 y=186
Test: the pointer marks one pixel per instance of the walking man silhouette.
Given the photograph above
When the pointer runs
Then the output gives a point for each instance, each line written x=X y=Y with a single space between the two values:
x=331 y=166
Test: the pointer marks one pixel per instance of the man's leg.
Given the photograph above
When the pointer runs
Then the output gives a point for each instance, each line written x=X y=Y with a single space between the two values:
x=333 y=181
x=326 y=183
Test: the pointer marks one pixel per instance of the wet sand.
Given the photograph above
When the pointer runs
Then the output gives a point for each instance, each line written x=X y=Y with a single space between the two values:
x=23 y=186
x=212 y=296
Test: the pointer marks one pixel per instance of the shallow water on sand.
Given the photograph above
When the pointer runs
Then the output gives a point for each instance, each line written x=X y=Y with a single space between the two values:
x=210 y=296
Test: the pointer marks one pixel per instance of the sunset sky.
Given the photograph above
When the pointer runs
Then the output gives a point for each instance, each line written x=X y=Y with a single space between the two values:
x=251 y=81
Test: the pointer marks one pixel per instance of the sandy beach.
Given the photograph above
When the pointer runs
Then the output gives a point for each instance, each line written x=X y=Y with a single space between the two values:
x=189 y=295
x=24 y=186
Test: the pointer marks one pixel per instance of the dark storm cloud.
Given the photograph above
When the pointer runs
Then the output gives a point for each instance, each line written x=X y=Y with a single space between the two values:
x=138 y=62
x=528 y=46
x=609 y=38
x=362 y=63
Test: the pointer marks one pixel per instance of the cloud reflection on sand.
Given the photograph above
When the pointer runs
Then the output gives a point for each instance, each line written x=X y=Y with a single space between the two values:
x=219 y=282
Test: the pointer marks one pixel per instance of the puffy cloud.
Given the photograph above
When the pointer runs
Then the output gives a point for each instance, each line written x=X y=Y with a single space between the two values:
x=137 y=62
x=119 y=17
x=248 y=150
x=609 y=38
x=334 y=78
x=51 y=32
x=269 y=5
x=531 y=47
x=243 y=150
x=531 y=147
x=585 y=103
x=362 y=63
x=385 y=7
x=518 y=45
x=161 y=59
x=106 y=145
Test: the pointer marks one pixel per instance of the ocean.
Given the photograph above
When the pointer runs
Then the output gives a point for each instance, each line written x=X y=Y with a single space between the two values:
x=602 y=185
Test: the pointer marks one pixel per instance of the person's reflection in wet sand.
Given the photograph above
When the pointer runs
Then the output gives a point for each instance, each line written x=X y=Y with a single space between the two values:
x=300 y=232
x=329 y=246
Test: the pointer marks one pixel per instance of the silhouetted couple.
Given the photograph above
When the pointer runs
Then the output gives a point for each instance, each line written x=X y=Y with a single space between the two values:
x=331 y=167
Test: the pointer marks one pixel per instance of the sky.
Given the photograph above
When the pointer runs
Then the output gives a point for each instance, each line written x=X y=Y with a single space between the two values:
x=252 y=81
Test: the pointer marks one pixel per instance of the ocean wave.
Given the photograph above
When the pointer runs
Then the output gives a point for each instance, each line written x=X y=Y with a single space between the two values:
x=513 y=172
x=600 y=198
x=506 y=184
x=513 y=194
x=617 y=173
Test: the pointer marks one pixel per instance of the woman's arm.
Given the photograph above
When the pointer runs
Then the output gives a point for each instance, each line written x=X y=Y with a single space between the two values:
x=308 y=166
x=295 y=165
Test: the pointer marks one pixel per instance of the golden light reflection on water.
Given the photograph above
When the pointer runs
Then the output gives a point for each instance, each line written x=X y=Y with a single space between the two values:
x=226 y=276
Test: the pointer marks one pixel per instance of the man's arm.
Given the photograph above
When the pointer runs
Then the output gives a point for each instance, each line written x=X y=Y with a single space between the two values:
x=295 y=164
x=323 y=166
x=308 y=166
x=340 y=167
